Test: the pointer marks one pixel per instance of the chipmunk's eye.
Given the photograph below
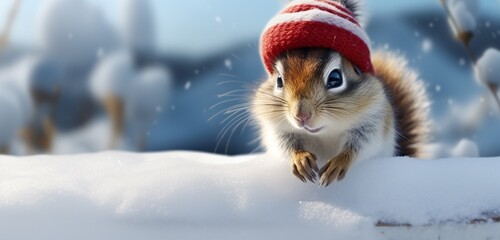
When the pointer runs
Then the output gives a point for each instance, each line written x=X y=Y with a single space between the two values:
x=335 y=79
x=279 y=82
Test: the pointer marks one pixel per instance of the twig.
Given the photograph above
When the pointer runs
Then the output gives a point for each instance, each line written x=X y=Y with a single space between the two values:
x=464 y=38
x=4 y=35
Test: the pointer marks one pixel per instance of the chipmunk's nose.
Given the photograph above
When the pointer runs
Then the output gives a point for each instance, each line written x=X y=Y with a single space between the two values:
x=302 y=117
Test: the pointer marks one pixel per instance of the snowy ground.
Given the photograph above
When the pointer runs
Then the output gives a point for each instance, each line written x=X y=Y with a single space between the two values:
x=188 y=195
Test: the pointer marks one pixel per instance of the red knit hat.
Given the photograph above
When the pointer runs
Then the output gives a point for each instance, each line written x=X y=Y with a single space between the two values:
x=316 y=23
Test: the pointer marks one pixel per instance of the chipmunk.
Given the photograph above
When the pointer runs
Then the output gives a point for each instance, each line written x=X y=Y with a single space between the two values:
x=327 y=98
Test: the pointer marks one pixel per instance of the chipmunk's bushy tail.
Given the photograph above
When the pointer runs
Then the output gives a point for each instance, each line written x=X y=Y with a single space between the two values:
x=410 y=102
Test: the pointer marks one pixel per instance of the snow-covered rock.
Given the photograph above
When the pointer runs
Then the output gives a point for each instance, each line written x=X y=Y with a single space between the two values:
x=187 y=195
x=112 y=76
x=488 y=66
x=138 y=26
x=465 y=148
x=73 y=32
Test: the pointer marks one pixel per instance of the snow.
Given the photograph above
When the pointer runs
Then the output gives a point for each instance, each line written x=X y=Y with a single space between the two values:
x=187 y=85
x=93 y=137
x=487 y=66
x=465 y=148
x=137 y=25
x=472 y=6
x=148 y=93
x=16 y=80
x=12 y=116
x=228 y=63
x=464 y=19
x=71 y=31
x=427 y=45
x=189 y=195
x=45 y=75
x=112 y=76
x=150 y=90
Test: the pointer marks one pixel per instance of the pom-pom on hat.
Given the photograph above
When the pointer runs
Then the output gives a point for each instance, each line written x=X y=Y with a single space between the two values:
x=318 y=24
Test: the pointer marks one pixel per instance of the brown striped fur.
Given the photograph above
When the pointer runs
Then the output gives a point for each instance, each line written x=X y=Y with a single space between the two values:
x=407 y=95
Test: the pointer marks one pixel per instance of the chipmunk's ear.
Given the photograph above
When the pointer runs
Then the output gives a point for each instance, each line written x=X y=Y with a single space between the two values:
x=356 y=7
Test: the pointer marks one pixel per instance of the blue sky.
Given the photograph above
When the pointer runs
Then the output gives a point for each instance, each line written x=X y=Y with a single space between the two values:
x=199 y=24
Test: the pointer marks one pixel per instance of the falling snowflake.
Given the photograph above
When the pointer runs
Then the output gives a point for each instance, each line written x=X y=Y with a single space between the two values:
x=228 y=63
x=461 y=61
x=438 y=88
x=187 y=86
x=427 y=45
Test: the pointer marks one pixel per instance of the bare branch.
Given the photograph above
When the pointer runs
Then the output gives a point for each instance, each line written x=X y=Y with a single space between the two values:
x=464 y=37
x=4 y=35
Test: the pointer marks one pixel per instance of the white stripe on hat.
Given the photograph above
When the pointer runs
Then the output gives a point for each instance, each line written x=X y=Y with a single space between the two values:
x=320 y=4
x=317 y=15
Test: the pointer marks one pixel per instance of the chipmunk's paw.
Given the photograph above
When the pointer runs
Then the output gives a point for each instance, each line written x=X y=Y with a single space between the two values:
x=304 y=166
x=335 y=169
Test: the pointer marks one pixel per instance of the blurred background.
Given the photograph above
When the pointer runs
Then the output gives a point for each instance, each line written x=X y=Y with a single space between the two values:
x=152 y=75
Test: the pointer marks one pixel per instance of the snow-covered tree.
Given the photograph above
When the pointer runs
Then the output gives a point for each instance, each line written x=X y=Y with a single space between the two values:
x=147 y=95
x=73 y=32
x=109 y=84
x=11 y=113
x=137 y=26
x=45 y=77
x=16 y=106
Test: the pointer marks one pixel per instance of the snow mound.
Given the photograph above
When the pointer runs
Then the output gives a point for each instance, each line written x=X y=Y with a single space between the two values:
x=465 y=148
x=192 y=195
